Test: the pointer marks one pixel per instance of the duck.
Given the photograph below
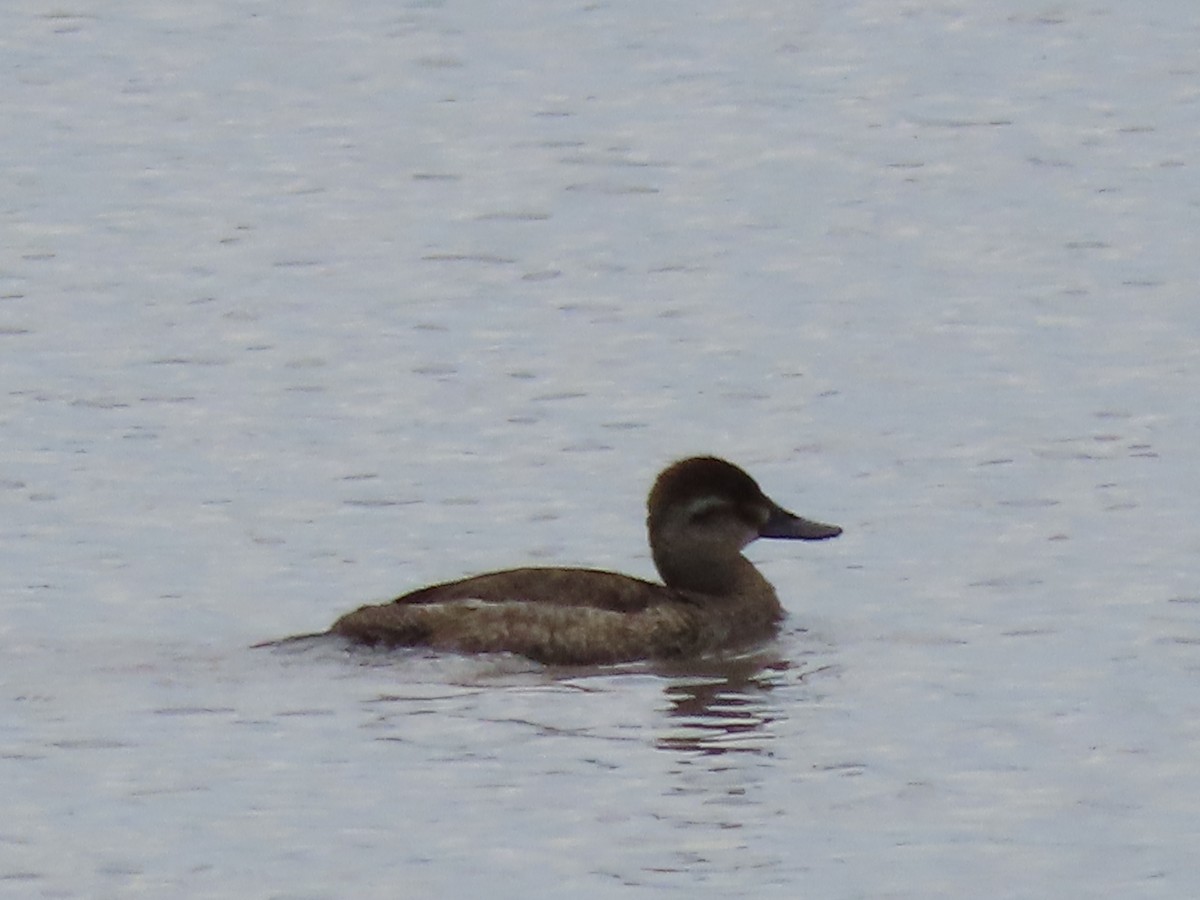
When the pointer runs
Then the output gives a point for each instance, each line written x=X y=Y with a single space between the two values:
x=701 y=513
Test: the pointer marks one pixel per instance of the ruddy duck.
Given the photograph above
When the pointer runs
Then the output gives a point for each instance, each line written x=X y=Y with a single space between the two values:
x=702 y=512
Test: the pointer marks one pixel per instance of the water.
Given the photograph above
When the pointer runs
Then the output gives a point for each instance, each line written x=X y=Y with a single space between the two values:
x=300 y=309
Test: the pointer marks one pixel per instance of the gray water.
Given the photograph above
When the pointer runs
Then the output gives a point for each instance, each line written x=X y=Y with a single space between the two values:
x=302 y=306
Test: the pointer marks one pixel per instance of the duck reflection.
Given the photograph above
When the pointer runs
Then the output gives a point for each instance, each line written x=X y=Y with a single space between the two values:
x=725 y=706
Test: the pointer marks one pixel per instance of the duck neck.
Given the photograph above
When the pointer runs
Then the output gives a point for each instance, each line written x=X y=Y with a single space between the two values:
x=706 y=570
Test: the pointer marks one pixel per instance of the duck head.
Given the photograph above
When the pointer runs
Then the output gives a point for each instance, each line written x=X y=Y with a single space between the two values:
x=702 y=511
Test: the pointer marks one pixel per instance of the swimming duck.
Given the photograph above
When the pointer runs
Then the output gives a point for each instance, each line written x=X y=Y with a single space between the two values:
x=701 y=513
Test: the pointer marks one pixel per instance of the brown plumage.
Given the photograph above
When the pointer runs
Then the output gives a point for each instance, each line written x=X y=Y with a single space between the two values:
x=701 y=513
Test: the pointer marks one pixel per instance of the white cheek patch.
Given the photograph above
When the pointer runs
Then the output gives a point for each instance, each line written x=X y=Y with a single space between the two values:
x=702 y=506
x=714 y=516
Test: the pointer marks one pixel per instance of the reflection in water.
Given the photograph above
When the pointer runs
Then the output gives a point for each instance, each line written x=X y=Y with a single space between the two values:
x=715 y=706
x=725 y=706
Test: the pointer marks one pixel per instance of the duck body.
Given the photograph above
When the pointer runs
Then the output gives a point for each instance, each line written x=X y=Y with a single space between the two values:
x=565 y=616
x=702 y=512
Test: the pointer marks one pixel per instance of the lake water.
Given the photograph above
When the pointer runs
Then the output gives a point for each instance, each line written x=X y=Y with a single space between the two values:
x=303 y=306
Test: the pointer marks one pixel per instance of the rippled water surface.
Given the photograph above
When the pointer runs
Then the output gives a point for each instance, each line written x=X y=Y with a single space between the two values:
x=301 y=307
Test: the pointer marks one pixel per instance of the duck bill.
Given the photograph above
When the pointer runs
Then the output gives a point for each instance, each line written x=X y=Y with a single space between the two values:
x=783 y=524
